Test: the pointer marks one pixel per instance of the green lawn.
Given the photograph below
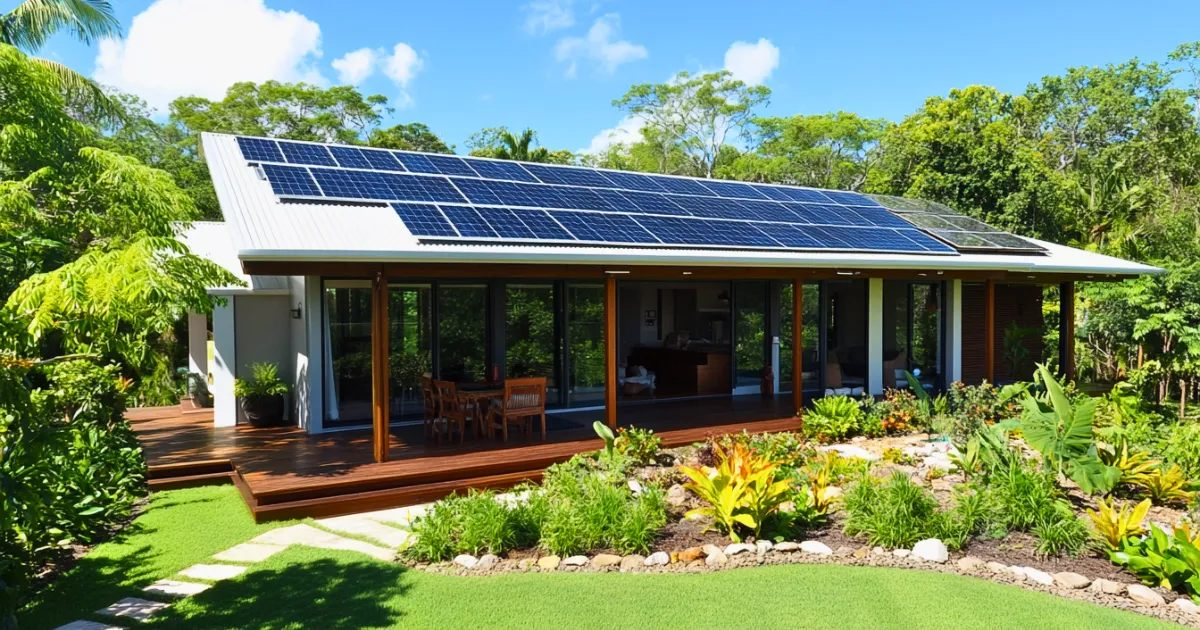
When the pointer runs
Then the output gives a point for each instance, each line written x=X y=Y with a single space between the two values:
x=310 y=588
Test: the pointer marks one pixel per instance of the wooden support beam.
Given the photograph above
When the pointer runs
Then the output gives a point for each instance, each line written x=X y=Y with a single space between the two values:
x=989 y=331
x=610 y=352
x=798 y=344
x=1066 y=330
x=380 y=404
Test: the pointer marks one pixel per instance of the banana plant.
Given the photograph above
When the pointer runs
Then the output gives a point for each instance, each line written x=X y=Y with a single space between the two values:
x=610 y=440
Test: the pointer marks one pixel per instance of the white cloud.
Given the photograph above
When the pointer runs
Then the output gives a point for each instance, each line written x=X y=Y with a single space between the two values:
x=627 y=132
x=544 y=16
x=403 y=64
x=354 y=67
x=201 y=47
x=600 y=46
x=752 y=63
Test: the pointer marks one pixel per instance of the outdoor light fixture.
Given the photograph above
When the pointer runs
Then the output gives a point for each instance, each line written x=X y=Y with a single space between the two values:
x=615 y=272
x=687 y=273
x=847 y=273
x=296 y=312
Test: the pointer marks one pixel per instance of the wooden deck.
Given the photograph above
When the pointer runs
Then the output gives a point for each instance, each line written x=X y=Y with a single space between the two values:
x=286 y=473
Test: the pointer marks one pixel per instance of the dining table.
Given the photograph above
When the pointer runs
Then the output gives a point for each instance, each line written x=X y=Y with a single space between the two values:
x=479 y=396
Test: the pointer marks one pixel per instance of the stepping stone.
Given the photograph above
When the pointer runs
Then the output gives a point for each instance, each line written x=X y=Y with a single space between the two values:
x=367 y=528
x=176 y=589
x=310 y=536
x=88 y=625
x=212 y=572
x=134 y=608
x=249 y=552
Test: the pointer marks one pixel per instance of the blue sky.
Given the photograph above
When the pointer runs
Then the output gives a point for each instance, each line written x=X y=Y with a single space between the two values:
x=556 y=65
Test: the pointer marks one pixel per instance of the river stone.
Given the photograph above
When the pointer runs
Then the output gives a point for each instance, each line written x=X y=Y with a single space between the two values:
x=848 y=450
x=879 y=551
x=997 y=567
x=1037 y=575
x=549 y=562
x=576 y=561
x=466 y=561
x=1186 y=605
x=525 y=564
x=817 y=547
x=1108 y=587
x=633 y=561
x=486 y=562
x=657 y=559
x=931 y=550
x=1071 y=580
x=677 y=495
x=716 y=559
x=861 y=552
x=690 y=554
x=606 y=560
x=710 y=549
x=970 y=563
x=736 y=548
x=901 y=553
x=1144 y=596
x=787 y=546
x=763 y=546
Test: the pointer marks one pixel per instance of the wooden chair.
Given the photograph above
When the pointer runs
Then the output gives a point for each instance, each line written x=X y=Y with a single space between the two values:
x=429 y=398
x=452 y=409
x=523 y=399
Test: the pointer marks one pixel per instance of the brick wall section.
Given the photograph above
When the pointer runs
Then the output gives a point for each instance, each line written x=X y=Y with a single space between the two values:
x=1014 y=302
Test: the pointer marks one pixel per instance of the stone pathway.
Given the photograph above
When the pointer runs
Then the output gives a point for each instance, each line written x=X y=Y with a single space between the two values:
x=382 y=528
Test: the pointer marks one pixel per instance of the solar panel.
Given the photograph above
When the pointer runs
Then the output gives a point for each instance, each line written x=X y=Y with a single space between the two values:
x=423 y=220
x=963 y=232
x=307 y=154
x=451 y=197
x=291 y=181
x=259 y=150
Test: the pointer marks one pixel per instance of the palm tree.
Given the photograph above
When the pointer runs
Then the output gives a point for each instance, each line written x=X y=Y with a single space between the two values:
x=519 y=147
x=33 y=22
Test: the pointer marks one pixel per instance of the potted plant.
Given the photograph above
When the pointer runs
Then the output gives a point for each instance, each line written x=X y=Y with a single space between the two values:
x=261 y=397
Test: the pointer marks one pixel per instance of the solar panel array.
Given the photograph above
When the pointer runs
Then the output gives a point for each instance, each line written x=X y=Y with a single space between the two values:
x=963 y=232
x=445 y=197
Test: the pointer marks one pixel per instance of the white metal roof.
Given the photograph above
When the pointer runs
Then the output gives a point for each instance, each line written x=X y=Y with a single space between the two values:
x=261 y=228
x=211 y=240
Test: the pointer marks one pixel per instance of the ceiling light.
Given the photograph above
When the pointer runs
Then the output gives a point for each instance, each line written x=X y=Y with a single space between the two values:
x=616 y=272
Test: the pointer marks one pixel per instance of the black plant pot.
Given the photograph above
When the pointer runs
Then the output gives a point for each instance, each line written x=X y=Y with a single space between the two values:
x=262 y=410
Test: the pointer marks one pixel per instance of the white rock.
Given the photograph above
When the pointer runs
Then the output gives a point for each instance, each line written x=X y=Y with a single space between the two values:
x=134 y=608
x=657 y=559
x=677 y=495
x=487 y=561
x=736 y=548
x=576 y=561
x=710 y=549
x=970 y=563
x=901 y=553
x=1036 y=575
x=997 y=567
x=1108 y=587
x=931 y=550
x=1186 y=605
x=763 y=546
x=879 y=551
x=1071 y=580
x=939 y=461
x=850 y=450
x=635 y=487
x=716 y=559
x=787 y=546
x=817 y=547
x=1144 y=596
x=466 y=561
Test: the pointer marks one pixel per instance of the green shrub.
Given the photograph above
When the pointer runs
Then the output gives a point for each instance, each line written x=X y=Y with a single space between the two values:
x=588 y=512
x=639 y=445
x=1062 y=534
x=1164 y=560
x=895 y=513
x=264 y=382
x=832 y=418
x=1182 y=447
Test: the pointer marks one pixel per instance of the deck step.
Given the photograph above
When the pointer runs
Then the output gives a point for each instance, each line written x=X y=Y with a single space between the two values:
x=190 y=469
x=190 y=481
x=354 y=503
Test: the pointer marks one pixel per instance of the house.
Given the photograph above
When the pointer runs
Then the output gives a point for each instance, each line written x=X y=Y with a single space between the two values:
x=669 y=302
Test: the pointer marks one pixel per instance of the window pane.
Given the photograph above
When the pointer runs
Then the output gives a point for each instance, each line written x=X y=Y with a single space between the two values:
x=410 y=341
x=811 y=322
x=585 y=332
x=347 y=368
x=462 y=326
x=846 y=338
x=531 y=342
x=926 y=357
x=750 y=331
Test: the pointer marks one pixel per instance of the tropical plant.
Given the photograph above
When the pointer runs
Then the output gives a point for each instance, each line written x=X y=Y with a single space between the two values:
x=264 y=382
x=822 y=474
x=832 y=418
x=1165 y=485
x=1063 y=534
x=898 y=513
x=1164 y=560
x=1132 y=465
x=610 y=440
x=1062 y=432
x=1113 y=523
x=640 y=445
x=741 y=490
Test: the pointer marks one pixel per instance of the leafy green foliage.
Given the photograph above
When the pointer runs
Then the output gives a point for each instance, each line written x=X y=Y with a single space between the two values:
x=639 y=445
x=1160 y=559
x=832 y=418
x=741 y=490
x=898 y=513
x=1165 y=485
x=1113 y=523
x=264 y=382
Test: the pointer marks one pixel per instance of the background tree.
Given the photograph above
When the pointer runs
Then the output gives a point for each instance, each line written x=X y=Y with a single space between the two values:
x=695 y=113
x=501 y=144
x=824 y=151
x=409 y=137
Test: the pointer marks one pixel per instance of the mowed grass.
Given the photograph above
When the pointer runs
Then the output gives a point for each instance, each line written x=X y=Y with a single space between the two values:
x=312 y=588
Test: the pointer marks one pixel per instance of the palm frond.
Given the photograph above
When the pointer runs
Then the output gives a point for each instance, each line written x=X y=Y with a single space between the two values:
x=33 y=22
x=80 y=92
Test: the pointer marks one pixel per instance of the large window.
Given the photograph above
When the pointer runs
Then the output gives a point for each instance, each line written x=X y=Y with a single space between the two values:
x=585 y=339
x=531 y=338
x=912 y=333
x=811 y=322
x=750 y=332
x=410 y=337
x=347 y=366
x=846 y=335
x=462 y=332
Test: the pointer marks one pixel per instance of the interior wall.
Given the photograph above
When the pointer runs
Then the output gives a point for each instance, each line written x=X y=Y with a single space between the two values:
x=260 y=335
x=636 y=298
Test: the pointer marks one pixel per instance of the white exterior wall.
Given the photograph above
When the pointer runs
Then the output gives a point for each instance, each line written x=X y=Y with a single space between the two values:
x=875 y=336
x=225 y=408
x=262 y=333
x=198 y=344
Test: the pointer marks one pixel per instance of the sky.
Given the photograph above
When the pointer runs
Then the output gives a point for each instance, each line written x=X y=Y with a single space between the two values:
x=557 y=65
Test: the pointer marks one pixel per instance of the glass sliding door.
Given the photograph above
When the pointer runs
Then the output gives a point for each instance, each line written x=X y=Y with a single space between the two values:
x=532 y=344
x=846 y=336
x=912 y=333
x=462 y=332
x=347 y=365
x=585 y=341
x=810 y=340
x=750 y=334
x=410 y=341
